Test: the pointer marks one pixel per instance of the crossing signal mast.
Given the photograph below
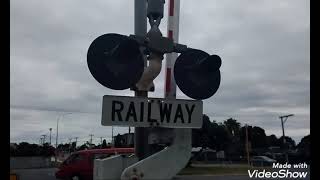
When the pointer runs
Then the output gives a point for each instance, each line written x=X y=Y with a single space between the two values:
x=119 y=62
x=116 y=61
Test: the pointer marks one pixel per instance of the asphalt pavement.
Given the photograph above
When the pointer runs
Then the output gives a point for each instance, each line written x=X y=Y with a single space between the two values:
x=35 y=174
x=211 y=177
x=48 y=174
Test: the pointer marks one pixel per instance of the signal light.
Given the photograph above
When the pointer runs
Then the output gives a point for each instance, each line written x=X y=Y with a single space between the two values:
x=115 y=61
x=197 y=73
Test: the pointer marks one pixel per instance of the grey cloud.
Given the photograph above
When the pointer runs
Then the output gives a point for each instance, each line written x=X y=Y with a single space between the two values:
x=264 y=46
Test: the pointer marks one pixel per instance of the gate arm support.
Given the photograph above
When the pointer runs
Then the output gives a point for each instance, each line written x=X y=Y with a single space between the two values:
x=166 y=163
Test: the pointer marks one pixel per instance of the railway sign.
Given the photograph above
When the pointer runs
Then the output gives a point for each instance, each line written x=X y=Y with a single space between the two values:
x=151 y=112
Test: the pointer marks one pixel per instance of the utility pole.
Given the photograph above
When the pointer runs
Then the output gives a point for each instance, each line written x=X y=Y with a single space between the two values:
x=40 y=141
x=44 y=139
x=50 y=129
x=247 y=145
x=70 y=139
x=57 y=135
x=90 y=140
x=58 y=127
x=76 y=141
x=112 y=142
x=283 y=120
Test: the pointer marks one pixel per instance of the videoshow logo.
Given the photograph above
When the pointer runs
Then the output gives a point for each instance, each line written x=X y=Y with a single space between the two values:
x=278 y=171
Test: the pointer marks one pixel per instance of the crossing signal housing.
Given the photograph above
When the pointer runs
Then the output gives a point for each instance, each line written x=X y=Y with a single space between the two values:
x=115 y=61
x=197 y=73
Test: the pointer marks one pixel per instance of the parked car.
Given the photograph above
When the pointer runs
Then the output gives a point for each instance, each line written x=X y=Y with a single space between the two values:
x=262 y=161
x=79 y=165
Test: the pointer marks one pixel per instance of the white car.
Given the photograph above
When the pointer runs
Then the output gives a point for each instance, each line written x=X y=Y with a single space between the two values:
x=262 y=161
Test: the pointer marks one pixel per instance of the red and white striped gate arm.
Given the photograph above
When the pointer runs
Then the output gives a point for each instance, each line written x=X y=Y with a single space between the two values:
x=173 y=33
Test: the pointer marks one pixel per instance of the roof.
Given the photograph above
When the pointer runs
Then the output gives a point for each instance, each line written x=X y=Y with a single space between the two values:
x=106 y=150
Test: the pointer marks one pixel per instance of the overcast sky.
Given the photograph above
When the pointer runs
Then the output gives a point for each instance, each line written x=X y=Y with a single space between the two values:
x=264 y=46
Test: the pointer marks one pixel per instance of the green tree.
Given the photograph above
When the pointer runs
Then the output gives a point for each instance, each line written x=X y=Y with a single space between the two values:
x=200 y=136
x=83 y=147
x=272 y=140
x=290 y=143
x=304 y=148
x=232 y=126
x=26 y=149
x=259 y=138
x=104 y=144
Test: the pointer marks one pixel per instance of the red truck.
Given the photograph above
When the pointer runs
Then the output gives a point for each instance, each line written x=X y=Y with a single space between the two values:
x=79 y=165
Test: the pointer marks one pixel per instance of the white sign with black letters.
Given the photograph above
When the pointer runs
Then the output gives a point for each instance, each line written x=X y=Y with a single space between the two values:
x=147 y=112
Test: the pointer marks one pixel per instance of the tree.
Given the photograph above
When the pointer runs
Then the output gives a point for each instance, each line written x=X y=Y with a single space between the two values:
x=304 y=148
x=259 y=138
x=290 y=143
x=83 y=147
x=272 y=140
x=26 y=149
x=73 y=147
x=64 y=147
x=232 y=126
x=118 y=142
x=233 y=146
x=47 y=150
x=219 y=136
x=104 y=144
x=211 y=134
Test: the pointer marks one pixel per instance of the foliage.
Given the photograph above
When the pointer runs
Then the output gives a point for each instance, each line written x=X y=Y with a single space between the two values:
x=230 y=136
x=304 y=148
x=26 y=149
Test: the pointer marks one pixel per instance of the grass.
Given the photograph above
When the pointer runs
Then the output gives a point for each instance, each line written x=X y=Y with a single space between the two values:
x=219 y=170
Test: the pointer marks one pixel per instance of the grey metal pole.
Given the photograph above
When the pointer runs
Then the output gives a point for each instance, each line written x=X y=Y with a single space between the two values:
x=57 y=134
x=91 y=140
x=50 y=129
x=44 y=139
x=247 y=145
x=284 y=139
x=112 y=140
x=76 y=142
x=140 y=28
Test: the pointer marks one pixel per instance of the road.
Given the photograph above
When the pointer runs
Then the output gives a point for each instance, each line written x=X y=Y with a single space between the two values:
x=35 y=174
x=211 y=177
x=48 y=174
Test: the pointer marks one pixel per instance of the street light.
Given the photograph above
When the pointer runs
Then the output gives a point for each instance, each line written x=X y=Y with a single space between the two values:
x=50 y=129
x=57 y=133
x=58 y=127
x=283 y=120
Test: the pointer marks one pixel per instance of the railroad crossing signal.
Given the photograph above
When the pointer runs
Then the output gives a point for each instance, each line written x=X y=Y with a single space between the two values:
x=116 y=61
